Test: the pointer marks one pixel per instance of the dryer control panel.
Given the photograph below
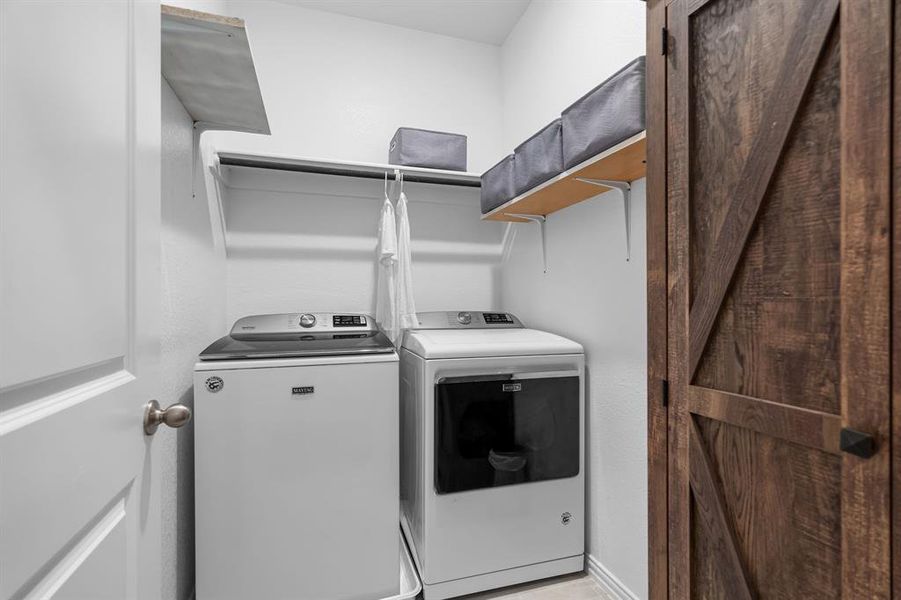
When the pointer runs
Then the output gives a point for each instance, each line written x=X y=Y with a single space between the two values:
x=467 y=319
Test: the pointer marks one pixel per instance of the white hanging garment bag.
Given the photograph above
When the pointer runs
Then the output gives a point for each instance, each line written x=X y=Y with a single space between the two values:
x=406 y=306
x=386 y=298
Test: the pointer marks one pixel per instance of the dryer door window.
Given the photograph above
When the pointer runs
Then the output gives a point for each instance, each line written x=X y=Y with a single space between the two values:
x=504 y=430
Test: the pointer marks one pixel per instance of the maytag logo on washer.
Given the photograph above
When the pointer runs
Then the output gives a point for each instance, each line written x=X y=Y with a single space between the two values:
x=214 y=384
x=512 y=387
x=305 y=389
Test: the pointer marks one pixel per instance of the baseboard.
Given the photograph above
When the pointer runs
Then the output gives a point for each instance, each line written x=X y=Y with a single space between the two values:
x=608 y=581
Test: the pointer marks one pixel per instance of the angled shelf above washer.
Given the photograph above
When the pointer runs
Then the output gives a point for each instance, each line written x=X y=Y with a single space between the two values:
x=624 y=162
x=206 y=58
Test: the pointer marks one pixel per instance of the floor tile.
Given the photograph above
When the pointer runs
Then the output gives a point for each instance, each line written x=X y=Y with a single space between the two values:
x=579 y=586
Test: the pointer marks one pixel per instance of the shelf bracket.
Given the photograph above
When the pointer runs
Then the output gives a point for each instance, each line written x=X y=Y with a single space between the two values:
x=541 y=220
x=624 y=188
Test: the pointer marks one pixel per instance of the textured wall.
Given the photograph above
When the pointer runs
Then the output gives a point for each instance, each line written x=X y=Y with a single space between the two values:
x=193 y=314
x=338 y=87
x=307 y=242
x=559 y=50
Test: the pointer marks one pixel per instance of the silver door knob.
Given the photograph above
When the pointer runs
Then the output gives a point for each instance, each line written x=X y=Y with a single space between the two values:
x=174 y=416
x=307 y=320
x=464 y=318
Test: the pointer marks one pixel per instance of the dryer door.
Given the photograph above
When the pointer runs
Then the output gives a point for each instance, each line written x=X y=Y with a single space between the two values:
x=501 y=430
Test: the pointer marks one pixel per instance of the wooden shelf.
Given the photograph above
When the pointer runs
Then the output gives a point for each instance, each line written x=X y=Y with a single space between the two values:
x=206 y=58
x=623 y=162
x=348 y=169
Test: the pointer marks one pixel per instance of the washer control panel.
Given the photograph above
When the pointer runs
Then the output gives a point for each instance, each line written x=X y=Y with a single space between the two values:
x=467 y=319
x=302 y=322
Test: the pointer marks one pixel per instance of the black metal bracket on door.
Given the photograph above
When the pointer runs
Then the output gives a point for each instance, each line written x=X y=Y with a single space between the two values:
x=857 y=443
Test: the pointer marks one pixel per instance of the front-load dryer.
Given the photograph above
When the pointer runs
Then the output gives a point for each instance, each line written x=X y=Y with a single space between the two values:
x=296 y=460
x=492 y=446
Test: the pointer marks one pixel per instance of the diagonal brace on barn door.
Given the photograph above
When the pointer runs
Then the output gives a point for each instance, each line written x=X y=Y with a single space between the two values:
x=711 y=505
x=801 y=57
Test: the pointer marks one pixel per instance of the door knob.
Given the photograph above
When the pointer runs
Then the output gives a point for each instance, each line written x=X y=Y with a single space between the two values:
x=174 y=416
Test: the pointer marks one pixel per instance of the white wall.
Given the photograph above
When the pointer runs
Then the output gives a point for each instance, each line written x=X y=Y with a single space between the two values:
x=338 y=87
x=193 y=315
x=559 y=50
x=307 y=242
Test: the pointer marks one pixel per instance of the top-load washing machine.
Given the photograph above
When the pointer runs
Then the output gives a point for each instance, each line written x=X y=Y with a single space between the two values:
x=492 y=446
x=296 y=460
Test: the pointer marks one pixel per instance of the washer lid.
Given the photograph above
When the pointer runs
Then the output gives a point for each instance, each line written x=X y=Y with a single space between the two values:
x=297 y=335
x=475 y=343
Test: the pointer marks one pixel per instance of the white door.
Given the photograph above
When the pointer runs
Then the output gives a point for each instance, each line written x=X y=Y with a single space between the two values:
x=79 y=298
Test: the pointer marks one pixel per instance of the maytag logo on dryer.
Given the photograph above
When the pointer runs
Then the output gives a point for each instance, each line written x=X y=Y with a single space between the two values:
x=512 y=387
x=214 y=384
x=303 y=390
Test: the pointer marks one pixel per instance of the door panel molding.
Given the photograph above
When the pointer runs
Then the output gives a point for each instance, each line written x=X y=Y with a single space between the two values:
x=36 y=401
x=63 y=569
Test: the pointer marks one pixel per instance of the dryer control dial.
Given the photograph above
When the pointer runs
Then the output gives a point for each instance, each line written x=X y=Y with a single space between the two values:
x=307 y=320
x=464 y=318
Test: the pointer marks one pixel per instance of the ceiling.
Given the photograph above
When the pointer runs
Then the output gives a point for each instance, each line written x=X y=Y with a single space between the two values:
x=486 y=21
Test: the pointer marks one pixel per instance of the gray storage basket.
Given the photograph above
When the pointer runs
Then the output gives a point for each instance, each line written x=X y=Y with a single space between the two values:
x=497 y=185
x=538 y=158
x=605 y=116
x=430 y=149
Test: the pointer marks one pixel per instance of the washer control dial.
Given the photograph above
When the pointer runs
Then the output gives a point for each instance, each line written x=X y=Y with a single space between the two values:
x=307 y=320
x=464 y=318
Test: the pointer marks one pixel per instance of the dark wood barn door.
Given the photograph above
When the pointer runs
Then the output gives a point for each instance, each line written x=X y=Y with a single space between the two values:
x=778 y=219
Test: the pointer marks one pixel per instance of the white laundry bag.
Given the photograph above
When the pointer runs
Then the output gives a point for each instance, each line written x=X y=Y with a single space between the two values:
x=386 y=296
x=406 y=306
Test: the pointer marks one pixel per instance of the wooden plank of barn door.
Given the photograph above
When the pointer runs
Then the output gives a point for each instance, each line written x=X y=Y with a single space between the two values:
x=866 y=44
x=804 y=49
x=656 y=291
x=677 y=185
x=896 y=302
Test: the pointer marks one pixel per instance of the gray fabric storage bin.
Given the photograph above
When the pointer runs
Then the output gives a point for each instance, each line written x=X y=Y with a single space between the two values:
x=430 y=149
x=605 y=116
x=497 y=185
x=538 y=158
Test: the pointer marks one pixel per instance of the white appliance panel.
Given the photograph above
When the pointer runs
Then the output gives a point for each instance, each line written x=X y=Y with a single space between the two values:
x=473 y=533
x=292 y=500
x=476 y=343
